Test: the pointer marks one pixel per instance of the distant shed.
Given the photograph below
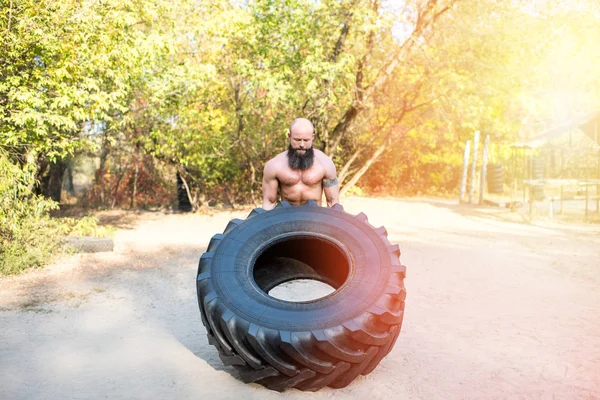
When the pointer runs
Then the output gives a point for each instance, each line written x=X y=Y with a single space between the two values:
x=562 y=159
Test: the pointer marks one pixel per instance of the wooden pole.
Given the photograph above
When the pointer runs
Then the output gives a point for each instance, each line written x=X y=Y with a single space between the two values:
x=463 y=183
x=473 y=166
x=531 y=185
x=483 y=168
x=524 y=166
x=587 y=185
x=597 y=166
x=561 y=198
x=515 y=174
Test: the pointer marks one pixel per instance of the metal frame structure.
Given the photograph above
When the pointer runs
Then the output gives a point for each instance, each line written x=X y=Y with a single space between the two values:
x=581 y=174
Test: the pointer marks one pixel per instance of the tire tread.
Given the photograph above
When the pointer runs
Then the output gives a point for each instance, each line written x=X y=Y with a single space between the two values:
x=280 y=360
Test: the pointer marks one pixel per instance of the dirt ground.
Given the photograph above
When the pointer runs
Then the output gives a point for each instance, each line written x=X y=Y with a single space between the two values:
x=496 y=309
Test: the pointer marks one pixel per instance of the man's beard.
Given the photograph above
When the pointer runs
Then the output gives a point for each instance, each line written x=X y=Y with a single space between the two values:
x=300 y=161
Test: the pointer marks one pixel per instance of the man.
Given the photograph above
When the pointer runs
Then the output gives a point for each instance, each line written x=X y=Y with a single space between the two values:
x=301 y=173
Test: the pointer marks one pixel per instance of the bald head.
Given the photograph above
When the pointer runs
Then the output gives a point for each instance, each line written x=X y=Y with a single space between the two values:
x=302 y=126
x=300 y=152
x=302 y=133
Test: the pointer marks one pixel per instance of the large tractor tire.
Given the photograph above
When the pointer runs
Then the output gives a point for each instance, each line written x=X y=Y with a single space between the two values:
x=537 y=172
x=305 y=345
x=495 y=178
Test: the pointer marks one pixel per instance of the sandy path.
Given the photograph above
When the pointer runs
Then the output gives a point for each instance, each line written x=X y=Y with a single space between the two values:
x=495 y=309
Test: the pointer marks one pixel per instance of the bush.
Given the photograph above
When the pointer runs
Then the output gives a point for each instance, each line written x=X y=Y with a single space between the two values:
x=85 y=226
x=28 y=236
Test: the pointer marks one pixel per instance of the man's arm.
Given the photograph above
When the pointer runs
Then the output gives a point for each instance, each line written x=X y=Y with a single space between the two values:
x=331 y=186
x=269 y=186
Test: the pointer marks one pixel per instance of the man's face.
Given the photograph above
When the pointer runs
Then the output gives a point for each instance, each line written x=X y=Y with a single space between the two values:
x=301 y=139
x=300 y=150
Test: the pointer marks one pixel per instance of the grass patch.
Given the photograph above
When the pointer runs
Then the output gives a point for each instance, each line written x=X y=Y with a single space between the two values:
x=29 y=236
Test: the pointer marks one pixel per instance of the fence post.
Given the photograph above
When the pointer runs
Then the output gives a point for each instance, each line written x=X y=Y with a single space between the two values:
x=484 y=168
x=463 y=183
x=473 y=167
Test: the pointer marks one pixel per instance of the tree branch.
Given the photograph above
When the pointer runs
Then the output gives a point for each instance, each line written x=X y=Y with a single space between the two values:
x=364 y=168
x=193 y=200
x=343 y=34
x=364 y=94
x=421 y=24
x=10 y=7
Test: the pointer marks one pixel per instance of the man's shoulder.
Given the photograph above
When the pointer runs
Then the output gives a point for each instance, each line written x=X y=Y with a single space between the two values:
x=322 y=157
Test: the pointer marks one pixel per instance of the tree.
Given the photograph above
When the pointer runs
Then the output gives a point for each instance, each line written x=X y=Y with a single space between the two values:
x=491 y=66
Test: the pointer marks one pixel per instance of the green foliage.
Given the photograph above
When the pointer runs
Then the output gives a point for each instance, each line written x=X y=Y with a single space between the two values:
x=57 y=73
x=209 y=88
x=356 y=191
x=85 y=226
x=28 y=236
x=493 y=67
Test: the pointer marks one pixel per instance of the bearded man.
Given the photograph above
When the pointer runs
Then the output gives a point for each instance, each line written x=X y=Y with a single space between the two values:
x=301 y=173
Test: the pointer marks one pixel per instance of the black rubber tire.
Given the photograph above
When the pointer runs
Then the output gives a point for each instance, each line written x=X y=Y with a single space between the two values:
x=537 y=193
x=537 y=168
x=495 y=178
x=89 y=244
x=305 y=345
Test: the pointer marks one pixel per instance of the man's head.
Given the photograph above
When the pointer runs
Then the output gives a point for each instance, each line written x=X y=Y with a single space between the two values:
x=300 y=149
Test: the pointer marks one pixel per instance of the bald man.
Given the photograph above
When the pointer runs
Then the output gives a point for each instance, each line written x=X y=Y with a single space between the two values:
x=301 y=173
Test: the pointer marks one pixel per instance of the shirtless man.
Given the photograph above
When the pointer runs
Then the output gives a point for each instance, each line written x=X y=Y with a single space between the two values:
x=301 y=173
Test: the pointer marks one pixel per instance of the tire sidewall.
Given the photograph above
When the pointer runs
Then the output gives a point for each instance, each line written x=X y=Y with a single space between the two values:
x=370 y=264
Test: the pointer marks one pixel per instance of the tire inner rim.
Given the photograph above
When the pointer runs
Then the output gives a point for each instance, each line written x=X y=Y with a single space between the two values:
x=300 y=256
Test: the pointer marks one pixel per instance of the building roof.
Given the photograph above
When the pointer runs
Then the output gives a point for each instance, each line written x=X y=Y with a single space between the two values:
x=588 y=125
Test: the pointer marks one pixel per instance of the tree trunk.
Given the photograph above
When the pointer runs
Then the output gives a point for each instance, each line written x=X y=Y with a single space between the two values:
x=387 y=143
x=183 y=196
x=69 y=172
x=343 y=33
x=100 y=174
x=41 y=177
x=328 y=147
x=132 y=202
x=182 y=173
x=341 y=128
x=55 y=178
x=364 y=168
x=427 y=16
x=344 y=172
x=116 y=191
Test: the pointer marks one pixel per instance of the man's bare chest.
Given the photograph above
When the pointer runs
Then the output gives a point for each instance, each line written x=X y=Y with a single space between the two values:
x=310 y=177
